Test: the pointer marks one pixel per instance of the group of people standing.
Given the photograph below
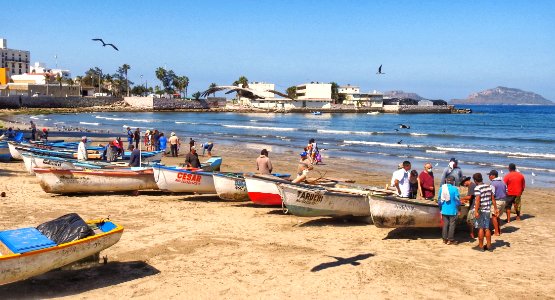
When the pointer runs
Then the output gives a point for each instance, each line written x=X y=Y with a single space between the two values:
x=486 y=201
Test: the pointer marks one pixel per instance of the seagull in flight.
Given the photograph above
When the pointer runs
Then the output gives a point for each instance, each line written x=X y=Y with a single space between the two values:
x=380 y=70
x=104 y=44
x=404 y=126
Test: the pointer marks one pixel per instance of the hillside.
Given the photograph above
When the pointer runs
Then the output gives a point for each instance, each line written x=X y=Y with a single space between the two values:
x=401 y=94
x=503 y=95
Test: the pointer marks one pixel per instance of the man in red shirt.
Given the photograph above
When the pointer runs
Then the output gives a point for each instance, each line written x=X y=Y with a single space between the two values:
x=426 y=182
x=515 y=186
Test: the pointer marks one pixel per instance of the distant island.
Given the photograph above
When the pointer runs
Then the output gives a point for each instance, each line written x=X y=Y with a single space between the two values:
x=504 y=96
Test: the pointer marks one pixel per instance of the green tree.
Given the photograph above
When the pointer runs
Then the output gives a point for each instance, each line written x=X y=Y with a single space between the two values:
x=139 y=90
x=334 y=94
x=47 y=81
x=59 y=81
x=213 y=85
x=125 y=68
x=166 y=77
x=242 y=81
x=292 y=92
x=196 y=95
x=181 y=83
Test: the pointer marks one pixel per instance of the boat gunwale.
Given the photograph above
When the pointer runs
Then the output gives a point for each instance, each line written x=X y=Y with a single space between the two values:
x=97 y=172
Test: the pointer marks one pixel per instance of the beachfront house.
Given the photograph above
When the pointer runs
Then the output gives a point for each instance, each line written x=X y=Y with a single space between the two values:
x=309 y=96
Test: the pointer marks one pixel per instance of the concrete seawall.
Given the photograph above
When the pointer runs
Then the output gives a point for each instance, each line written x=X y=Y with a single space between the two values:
x=15 y=102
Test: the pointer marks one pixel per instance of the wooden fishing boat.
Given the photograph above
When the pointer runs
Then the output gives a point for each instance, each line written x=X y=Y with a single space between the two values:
x=316 y=201
x=95 y=181
x=183 y=180
x=38 y=161
x=263 y=189
x=390 y=211
x=4 y=152
x=14 y=152
x=230 y=186
x=27 y=252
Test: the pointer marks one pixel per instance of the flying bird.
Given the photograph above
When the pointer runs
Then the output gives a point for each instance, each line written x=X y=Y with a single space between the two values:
x=404 y=126
x=380 y=70
x=104 y=44
x=533 y=174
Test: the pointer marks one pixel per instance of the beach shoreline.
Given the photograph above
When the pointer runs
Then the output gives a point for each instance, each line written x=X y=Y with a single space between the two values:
x=182 y=245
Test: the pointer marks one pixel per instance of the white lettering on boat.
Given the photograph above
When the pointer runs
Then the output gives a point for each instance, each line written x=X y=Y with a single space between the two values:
x=406 y=207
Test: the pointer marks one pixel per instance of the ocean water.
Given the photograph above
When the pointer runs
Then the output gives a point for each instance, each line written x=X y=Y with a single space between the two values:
x=489 y=138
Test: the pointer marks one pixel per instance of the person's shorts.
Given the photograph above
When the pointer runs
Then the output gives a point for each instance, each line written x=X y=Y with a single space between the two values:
x=470 y=217
x=509 y=200
x=500 y=206
x=483 y=221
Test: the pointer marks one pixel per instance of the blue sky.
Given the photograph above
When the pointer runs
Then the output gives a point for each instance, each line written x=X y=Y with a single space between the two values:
x=438 y=49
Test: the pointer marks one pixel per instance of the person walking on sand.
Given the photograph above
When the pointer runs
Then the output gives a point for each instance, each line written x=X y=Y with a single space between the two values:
x=449 y=202
x=452 y=170
x=174 y=144
x=263 y=163
x=82 y=149
x=191 y=160
x=426 y=182
x=515 y=187
x=484 y=204
x=500 y=193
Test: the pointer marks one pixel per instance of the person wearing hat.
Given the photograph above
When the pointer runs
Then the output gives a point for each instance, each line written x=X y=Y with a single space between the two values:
x=44 y=134
x=191 y=159
x=452 y=170
x=263 y=163
x=174 y=144
x=82 y=149
x=500 y=193
x=449 y=202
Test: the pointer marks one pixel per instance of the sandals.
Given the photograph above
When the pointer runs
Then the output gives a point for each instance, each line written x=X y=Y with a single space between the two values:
x=452 y=243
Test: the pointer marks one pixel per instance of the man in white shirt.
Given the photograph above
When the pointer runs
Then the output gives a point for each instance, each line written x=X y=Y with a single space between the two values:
x=401 y=180
x=82 y=149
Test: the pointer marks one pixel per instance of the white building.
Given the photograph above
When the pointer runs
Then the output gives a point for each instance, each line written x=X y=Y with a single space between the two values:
x=16 y=61
x=38 y=72
x=262 y=89
x=348 y=90
x=314 y=91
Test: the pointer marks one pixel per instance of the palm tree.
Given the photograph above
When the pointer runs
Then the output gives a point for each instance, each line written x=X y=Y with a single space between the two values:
x=47 y=80
x=59 y=80
x=213 y=85
x=243 y=81
x=125 y=68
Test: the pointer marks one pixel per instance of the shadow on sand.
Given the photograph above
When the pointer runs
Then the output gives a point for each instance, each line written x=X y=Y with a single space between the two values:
x=60 y=283
x=339 y=261
x=461 y=234
x=336 y=222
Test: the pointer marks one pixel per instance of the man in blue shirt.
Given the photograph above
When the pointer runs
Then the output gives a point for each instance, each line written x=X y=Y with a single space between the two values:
x=449 y=202
x=500 y=192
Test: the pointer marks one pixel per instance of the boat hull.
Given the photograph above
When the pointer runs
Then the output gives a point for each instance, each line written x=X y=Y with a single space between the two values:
x=263 y=191
x=17 y=267
x=319 y=202
x=14 y=152
x=173 y=179
x=31 y=162
x=97 y=181
x=393 y=212
x=231 y=187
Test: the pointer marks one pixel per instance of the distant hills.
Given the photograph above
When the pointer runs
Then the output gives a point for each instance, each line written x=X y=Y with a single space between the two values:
x=503 y=95
x=401 y=94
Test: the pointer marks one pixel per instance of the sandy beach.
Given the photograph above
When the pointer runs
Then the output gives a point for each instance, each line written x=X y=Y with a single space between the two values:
x=198 y=246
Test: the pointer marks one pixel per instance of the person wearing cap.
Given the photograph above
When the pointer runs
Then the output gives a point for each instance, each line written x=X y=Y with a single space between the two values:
x=129 y=138
x=515 y=187
x=82 y=149
x=44 y=134
x=449 y=202
x=452 y=170
x=263 y=163
x=401 y=180
x=484 y=205
x=500 y=193
x=174 y=145
x=137 y=137
x=191 y=159
x=469 y=198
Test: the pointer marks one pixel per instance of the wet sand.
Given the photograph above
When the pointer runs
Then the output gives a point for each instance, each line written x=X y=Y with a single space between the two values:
x=198 y=246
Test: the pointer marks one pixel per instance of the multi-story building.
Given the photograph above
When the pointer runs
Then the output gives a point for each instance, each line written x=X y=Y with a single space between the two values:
x=314 y=91
x=16 y=61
